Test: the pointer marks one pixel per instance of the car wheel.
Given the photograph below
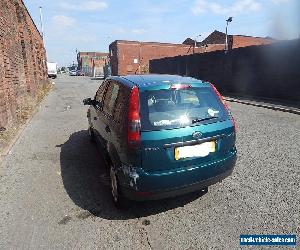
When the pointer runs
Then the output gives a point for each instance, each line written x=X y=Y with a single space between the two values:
x=118 y=199
x=91 y=134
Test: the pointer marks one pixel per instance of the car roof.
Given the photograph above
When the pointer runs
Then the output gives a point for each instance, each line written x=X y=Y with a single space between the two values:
x=155 y=80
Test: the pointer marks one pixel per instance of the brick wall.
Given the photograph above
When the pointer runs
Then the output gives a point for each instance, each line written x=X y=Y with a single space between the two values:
x=22 y=59
x=267 y=71
x=244 y=41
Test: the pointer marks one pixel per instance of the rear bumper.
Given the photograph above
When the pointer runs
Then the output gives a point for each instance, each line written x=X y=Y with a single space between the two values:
x=154 y=186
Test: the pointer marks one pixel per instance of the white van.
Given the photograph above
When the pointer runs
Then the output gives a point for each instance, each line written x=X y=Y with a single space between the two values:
x=52 y=69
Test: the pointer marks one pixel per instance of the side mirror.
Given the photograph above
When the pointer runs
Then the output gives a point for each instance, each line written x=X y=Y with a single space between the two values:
x=87 y=101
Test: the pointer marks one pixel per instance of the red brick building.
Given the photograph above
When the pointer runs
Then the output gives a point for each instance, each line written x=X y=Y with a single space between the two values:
x=234 y=41
x=22 y=59
x=91 y=63
x=132 y=57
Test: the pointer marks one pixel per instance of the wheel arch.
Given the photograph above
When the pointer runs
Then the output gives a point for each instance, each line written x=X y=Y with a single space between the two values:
x=113 y=156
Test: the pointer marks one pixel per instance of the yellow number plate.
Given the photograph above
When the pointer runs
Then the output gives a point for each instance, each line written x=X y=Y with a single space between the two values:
x=199 y=150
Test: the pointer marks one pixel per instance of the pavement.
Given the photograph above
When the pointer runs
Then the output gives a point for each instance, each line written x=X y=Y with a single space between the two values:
x=54 y=191
x=266 y=104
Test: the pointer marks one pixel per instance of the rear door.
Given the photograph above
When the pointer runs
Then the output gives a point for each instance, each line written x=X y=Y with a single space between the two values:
x=96 y=113
x=176 y=121
x=108 y=123
x=118 y=122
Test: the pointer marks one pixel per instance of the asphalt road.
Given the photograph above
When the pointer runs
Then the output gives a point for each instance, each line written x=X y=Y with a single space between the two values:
x=54 y=190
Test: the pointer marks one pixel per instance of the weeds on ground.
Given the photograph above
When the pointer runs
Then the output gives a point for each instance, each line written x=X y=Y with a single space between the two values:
x=23 y=113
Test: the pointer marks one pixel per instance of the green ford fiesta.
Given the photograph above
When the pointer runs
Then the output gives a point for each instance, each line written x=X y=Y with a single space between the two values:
x=163 y=135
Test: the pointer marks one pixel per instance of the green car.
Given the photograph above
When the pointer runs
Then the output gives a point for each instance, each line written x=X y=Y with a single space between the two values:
x=163 y=135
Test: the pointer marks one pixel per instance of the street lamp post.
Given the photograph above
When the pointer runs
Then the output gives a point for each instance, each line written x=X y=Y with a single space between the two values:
x=41 y=20
x=195 y=42
x=76 y=51
x=229 y=20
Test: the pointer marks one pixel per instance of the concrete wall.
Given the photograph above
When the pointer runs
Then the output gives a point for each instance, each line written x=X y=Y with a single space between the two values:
x=22 y=59
x=268 y=71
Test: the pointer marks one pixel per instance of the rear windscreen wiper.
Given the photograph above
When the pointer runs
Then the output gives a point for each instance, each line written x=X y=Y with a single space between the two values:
x=203 y=119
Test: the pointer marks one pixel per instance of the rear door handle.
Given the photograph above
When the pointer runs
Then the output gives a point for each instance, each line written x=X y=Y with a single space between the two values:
x=107 y=129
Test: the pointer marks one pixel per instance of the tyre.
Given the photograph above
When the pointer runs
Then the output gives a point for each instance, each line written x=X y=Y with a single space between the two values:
x=117 y=197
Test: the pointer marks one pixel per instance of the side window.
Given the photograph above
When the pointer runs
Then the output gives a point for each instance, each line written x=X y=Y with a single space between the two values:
x=120 y=111
x=101 y=91
x=111 y=97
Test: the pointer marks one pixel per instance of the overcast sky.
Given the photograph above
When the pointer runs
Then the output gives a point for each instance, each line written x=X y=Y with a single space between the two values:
x=91 y=25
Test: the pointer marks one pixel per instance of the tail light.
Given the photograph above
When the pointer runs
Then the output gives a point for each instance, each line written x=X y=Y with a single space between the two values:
x=134 y=121
x=225 y=105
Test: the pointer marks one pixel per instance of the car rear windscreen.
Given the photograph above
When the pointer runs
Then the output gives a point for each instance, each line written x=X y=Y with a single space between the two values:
x=175 y=108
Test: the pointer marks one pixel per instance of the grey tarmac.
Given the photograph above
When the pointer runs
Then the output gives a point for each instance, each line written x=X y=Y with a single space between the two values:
x=54 y=191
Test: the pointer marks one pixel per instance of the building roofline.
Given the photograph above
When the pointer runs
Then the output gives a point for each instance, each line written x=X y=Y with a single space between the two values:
x=267 y=37
x=154 y=43
x=88 y=52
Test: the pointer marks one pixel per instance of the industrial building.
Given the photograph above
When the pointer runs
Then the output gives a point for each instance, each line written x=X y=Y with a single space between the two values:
x=92 y=63
x=132 y=57
x=234 y=41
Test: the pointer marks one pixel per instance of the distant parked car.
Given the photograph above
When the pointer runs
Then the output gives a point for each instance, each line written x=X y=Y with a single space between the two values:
x=73 y=73
x=162 y=135
x=79 y=73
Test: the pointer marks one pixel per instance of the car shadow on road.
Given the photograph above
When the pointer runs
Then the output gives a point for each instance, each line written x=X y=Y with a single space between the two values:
x=86 y=179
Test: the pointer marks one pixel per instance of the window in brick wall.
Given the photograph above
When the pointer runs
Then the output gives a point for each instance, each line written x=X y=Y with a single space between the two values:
x=24 y=51
x=24 y=55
